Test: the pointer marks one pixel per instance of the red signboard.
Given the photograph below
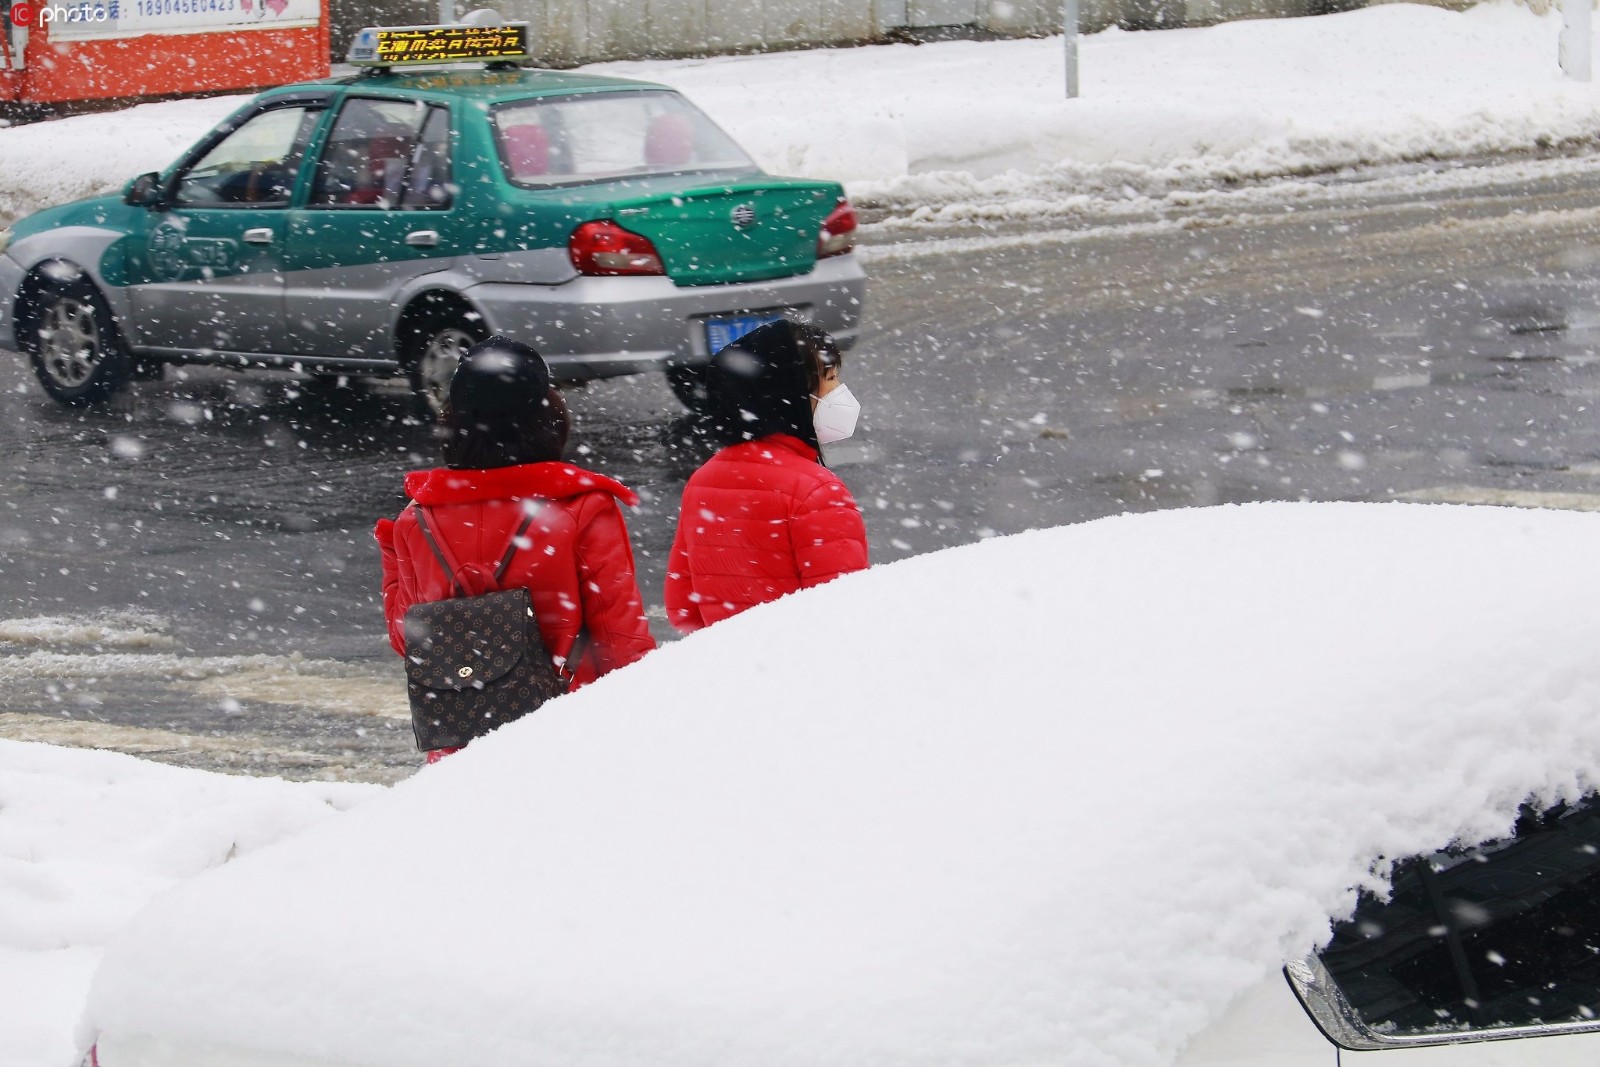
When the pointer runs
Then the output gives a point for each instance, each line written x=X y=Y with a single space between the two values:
x=55 y=53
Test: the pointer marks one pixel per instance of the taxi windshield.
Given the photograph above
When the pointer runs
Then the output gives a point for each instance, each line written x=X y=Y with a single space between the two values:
x=599 y=136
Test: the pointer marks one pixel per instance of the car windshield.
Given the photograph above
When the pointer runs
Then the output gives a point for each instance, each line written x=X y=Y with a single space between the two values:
x=599 y=136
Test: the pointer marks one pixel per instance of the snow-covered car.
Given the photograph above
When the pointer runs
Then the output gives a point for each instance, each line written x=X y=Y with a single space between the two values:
x=1287 y=784
x=379 y=224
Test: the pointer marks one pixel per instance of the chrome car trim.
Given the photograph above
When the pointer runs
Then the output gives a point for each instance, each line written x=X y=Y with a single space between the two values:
x=275 y=360
x=1325 y=1002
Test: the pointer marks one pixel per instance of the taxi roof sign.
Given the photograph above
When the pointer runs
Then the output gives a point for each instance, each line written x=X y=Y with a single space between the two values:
x=394 y=46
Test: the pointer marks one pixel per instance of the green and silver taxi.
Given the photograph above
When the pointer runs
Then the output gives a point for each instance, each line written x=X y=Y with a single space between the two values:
x=376 y=225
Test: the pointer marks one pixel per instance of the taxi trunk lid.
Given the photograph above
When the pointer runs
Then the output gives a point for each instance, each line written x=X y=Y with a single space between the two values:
x=742 y=231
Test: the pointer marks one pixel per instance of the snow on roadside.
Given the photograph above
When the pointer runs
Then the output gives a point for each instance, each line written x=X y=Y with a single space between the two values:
x=48 y=163
x=967 y=123
x=86 y=839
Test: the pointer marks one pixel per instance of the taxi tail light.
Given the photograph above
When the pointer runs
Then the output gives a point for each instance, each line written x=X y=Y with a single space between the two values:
x=603 y=247
x=838 y=234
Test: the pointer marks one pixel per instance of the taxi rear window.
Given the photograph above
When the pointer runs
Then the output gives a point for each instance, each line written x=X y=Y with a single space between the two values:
x=601 y=136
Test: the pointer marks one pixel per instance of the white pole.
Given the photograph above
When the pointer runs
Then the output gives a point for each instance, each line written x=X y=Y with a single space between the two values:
x=447 y=12
x=1069 y=31
x=1576 y=44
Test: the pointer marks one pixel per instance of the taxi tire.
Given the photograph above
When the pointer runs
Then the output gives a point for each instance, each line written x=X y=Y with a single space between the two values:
x=73 y=343
x=689 y=386
x=450 y=327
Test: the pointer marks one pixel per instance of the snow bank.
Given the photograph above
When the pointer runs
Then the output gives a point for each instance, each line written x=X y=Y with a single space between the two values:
x=47 y=163
x=961 y=123
x=1053 y=798
x=86 y=839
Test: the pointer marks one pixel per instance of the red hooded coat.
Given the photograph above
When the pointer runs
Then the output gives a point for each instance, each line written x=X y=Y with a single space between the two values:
x=578 y=567
x=760 y=519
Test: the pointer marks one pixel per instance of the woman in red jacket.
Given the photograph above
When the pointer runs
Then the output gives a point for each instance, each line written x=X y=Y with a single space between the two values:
x=764 y=516
x=505 y=432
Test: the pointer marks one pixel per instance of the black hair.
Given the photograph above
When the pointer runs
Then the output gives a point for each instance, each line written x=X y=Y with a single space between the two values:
x=819 y=353
x=763 y=383
x=502 y=410
x=479 y=440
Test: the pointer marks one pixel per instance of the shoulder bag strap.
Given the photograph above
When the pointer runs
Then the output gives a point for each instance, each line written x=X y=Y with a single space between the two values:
x=511 y=548
x=569 y=666
x=444 y=564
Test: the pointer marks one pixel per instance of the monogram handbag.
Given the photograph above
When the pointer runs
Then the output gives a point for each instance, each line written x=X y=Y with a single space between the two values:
x=475 y=662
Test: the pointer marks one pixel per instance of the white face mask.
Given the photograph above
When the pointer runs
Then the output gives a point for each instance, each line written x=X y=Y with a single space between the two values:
x=836 y=414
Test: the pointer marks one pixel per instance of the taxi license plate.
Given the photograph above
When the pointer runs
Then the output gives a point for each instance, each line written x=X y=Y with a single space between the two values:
x=726 y=329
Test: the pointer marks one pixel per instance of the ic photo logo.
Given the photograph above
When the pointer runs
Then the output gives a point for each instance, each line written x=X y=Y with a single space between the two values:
x=28 y=13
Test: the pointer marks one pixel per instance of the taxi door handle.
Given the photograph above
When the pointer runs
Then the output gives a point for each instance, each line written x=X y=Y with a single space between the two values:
x=259 y=236
x=423 y=238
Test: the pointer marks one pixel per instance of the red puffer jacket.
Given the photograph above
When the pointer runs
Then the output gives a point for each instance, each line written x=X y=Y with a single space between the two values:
x=760 y=519
x=579 y=567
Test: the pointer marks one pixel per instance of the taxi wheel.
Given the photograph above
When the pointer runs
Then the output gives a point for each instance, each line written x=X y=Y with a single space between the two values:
x=437 y=349
x=689 y=386
x=76 y=351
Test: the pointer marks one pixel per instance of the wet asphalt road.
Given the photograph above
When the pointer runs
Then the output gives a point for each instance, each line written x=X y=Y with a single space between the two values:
x=190 y=572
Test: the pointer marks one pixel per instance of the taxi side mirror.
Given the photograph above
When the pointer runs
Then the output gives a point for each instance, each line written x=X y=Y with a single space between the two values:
x=143 y=191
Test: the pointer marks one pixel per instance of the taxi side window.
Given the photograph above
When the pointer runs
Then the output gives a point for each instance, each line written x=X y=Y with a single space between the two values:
x=1479 y=940
x=254 y=166
x=384 y=154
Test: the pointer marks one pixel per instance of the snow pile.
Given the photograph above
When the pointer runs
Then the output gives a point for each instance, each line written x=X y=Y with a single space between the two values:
x=968 y=122
x=1053 y=798
x=86 y=839
x=1181 y=109
x=49 y=163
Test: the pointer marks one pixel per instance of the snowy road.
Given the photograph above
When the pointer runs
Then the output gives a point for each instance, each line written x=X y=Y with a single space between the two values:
x=191 y=575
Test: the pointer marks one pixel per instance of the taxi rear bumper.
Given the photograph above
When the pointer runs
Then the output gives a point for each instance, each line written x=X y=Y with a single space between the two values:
x=603 y=327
